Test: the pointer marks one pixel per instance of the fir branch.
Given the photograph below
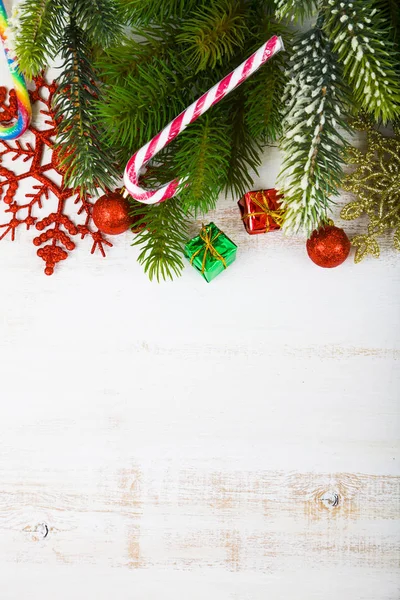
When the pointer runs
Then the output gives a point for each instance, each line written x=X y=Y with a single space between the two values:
x=389 y=11
x=119 y=62
x=245 y=156
x=99 y=19
x=134 y=112
x=213 y=34
x=263 y=109
x=312 y=145
x=162 y=237
x=202 y=158
x=362 y=41
x=143 y=12
x=149 y=82
x=264 y=90
x=87 y=165
x=35 y=29
x=296 y=10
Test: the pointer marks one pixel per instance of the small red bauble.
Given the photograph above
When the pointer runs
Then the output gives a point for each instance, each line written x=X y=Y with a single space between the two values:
x=328 y=246
x=111 y=213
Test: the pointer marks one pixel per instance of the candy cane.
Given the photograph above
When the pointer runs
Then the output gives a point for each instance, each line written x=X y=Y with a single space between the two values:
x=14 y=130
x=195 y=110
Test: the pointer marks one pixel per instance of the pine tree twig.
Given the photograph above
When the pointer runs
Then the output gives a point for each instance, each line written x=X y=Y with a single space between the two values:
x=312 y=143
x=362 y=42
x=142 y=12
x=99 y=19
x=122 y=60
x=133 y=112
x=213 y=34
x=87 y=165
x=264 y=91
x=296 y=10
x=202 y=157
x=34 y=33
x=389 y=11
x=245 y=156
x=163 y=233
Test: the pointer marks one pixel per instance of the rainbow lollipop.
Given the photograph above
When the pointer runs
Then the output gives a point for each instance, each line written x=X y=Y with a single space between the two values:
x=17 y=128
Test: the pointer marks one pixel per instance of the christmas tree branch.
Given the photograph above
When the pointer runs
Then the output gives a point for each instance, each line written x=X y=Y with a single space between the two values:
x=143 y=12
x=213 y=34
x=362 y=42
x=134 y=111
x=122 y=60
x=99 y=19
x=390 y=13
x=87 y=165
x=263 y=92
x=162 y=237
x=202 y=156
x=72 y=28
x=35 y=29
x=245 y=155
x=297 y=10
x=312 y=144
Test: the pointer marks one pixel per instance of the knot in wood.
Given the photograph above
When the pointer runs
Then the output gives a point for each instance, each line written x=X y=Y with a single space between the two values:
x=330 y=499
x=41 y=530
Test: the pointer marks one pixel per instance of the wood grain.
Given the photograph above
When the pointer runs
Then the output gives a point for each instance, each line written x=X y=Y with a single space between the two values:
x=264 y=525
x=231 y=441
x=198 y=518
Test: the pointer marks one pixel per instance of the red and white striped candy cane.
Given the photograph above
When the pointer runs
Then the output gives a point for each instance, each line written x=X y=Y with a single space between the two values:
x=195 y=110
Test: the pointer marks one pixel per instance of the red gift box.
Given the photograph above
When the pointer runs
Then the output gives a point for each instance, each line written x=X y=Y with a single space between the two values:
x=261 y=211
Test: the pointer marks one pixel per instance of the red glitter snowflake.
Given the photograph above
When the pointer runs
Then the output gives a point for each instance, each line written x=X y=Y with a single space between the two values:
x=41 y=166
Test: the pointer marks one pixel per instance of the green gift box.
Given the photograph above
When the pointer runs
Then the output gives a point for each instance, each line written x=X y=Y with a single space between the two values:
x=210 y=252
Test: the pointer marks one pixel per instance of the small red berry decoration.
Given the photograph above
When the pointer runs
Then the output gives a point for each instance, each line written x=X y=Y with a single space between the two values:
x=111 y=213
x=328 y=246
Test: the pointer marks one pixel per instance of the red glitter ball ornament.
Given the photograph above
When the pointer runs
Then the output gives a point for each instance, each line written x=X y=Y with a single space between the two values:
x=328 y=246
x=111 y=213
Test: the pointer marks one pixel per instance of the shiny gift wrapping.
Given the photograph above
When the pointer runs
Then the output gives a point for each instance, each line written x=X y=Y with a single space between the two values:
x=210 y=252
x=261 y=211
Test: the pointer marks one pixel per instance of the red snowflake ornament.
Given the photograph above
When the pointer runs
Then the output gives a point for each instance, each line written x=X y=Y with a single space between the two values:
x=42 y=167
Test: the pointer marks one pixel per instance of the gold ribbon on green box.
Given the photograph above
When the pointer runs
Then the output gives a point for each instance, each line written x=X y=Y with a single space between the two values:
x=211 y=251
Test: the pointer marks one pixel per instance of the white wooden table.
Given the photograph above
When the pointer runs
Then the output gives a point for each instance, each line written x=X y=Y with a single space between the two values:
x=230 y=441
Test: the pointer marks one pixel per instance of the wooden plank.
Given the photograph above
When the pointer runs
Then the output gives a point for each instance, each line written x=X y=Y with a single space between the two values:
x=231 y=441
x=199 y=519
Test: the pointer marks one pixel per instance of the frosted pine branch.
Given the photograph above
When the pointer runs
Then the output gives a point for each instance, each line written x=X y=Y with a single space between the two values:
x=312 y=144
x=361 y=39
x=295 y=9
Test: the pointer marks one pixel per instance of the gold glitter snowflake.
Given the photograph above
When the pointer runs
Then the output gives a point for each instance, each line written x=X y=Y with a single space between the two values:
x=376 y=183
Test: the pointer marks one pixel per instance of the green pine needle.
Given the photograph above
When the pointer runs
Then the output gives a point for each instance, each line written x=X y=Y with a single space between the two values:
x=362 y=41
x=312 y=142
x=132 y=113
x=202 y=158
x=36 y=29
x=212 y=34
x=145 y=11
x=296 y=10
x=87 y=166
x=245 y=155
x=264 y=90
x=164 y=233
x=184 y=50
x=99 y=19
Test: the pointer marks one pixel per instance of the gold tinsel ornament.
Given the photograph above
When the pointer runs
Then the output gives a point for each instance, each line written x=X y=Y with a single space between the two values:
x=376 y=183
